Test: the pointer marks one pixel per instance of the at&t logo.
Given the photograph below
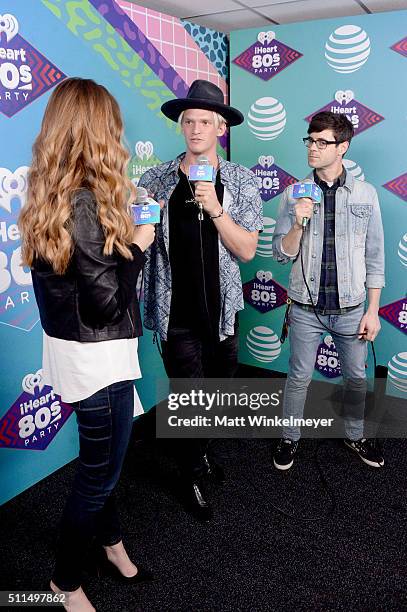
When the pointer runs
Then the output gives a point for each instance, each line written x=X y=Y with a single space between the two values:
x=354 y=169
x=265 y=243
x=267 y=118
x=347 y=49
x=402 y=250
x=263 y=344
x=397 y=375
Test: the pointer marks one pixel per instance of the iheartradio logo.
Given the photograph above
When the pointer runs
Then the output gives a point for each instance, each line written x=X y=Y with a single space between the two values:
x=144 y=150
x=32 y=382
x=13 y=185
x=8 y=25
x=266 y=37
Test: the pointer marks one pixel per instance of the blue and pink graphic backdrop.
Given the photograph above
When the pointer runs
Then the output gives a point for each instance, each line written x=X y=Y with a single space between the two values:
x=144 y=58
x=281 y=76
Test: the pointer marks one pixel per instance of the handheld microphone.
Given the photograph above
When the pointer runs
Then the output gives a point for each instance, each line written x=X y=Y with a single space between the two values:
x=202 y=171
x=306 y=189
x=145 y=209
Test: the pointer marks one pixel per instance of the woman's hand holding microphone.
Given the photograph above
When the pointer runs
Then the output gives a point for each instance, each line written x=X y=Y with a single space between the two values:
x=143 y=235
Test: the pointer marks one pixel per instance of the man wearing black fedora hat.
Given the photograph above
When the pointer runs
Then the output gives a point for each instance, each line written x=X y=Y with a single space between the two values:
x=193 y=288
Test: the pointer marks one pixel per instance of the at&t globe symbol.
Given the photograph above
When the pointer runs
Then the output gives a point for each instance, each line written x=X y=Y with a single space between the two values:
x=347 y=49
x=402 y=250
x=263 y=344
x=398 y=371
x=265 y=245
x=266 y=118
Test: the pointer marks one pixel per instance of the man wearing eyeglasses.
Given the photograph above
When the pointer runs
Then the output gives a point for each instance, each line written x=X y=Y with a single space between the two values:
x=342 y=257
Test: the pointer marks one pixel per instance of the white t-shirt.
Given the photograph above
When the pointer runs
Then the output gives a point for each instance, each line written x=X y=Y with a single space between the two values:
x=76 y=370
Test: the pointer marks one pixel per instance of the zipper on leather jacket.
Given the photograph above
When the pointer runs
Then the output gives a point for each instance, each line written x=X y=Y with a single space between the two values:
x=131 y=322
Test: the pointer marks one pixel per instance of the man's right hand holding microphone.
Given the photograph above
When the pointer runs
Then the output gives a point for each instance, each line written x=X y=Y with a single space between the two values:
x=304 y=209
x=306 y=195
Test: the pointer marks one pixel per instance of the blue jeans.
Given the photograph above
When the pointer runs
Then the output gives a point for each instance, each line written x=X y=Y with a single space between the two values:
x=105 y=422
x=305 y=337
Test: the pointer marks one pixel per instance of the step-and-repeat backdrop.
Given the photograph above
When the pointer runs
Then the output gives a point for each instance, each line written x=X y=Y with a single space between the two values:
x=144 y=58
x=280 y=77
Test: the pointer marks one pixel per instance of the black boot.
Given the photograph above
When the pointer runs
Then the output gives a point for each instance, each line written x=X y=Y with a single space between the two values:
x=193 y=499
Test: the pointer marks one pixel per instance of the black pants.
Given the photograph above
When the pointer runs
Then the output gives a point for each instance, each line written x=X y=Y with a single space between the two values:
x=192 y=354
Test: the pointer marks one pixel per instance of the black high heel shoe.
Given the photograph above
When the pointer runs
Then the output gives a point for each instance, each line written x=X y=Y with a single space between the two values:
x=106 y=567
x=214 y=469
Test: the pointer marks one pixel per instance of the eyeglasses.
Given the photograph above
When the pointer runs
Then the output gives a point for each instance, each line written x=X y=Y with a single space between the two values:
x=320 y=142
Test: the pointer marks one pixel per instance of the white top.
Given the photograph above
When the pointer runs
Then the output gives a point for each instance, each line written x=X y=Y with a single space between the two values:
x=76 y=370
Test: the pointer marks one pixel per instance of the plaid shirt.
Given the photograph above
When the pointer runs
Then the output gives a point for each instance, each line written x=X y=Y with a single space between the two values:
x=328 y=297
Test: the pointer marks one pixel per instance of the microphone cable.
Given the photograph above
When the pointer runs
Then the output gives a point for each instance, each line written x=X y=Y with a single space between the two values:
x=331 y=331
x=205 y=295
x=202 y=258
x=204 y=161
x=202 y=266
x=325 y=486
x=311 y=300
x=324 y=481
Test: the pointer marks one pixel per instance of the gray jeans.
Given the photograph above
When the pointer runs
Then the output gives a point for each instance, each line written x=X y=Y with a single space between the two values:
x=305 y=337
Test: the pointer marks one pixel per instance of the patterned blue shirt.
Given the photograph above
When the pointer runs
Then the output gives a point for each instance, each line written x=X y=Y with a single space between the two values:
x=241 y=200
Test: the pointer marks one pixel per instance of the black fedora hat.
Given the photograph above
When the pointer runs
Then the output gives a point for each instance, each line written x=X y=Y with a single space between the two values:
x=204 y=95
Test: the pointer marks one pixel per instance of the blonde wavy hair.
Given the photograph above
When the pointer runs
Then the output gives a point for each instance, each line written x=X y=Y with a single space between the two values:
x=79 y=146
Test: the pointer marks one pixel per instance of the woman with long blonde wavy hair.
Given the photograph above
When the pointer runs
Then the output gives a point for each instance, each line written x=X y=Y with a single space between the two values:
x=85 y=256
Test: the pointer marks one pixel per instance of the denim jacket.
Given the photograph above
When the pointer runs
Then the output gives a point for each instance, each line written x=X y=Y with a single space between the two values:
x=241 y=199
x=359 y=244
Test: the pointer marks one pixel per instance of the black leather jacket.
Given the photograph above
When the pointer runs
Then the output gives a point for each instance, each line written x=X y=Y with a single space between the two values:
x=96 y=298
